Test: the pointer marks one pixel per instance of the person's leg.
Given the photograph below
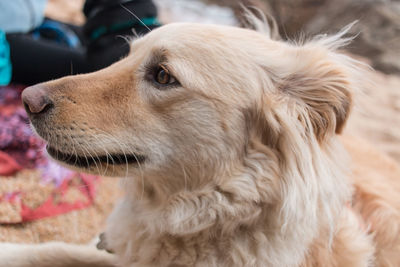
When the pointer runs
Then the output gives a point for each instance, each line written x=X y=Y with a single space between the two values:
x=38 y=60
x=109 y=21
x=34 y=61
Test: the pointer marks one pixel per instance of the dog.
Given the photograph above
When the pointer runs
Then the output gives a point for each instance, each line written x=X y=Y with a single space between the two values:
x=228 y=142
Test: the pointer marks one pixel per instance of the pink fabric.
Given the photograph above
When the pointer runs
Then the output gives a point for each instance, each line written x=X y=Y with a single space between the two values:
x=51 y=208
x=16 y=137
x=20 y=148
x=8 y=166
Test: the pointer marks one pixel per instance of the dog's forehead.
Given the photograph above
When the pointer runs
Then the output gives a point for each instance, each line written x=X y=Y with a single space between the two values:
x=179 y=35
x=200 y=43
x=190 y=31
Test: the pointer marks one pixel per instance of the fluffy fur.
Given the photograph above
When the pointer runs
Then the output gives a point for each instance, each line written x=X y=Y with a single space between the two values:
x=242 y=165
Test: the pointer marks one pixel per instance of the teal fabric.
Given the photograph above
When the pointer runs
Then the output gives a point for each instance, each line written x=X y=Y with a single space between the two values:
x=5 y=63
x=149 y=21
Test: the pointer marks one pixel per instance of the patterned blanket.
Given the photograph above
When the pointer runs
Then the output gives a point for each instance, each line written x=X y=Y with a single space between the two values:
x=51 y=189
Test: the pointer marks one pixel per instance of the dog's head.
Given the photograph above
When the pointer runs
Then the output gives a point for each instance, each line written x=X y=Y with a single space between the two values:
x=191 y=98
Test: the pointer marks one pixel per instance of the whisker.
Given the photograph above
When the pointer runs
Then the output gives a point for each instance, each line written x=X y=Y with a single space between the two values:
x=134 y=32
x=127 y=39
x=105 y=137
x=125 y=149
x=74 y=153
x=84 y=155
x=91 y=156
x=133 y=14
x=111 y=138
x=108 y=155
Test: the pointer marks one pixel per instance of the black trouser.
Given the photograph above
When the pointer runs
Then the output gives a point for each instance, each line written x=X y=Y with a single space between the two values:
x=34 y=61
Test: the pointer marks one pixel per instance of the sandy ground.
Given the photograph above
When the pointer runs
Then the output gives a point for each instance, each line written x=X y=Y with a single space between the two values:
x=375 y=123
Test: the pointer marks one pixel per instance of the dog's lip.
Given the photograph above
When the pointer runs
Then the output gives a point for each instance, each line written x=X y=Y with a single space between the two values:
x=86 y=162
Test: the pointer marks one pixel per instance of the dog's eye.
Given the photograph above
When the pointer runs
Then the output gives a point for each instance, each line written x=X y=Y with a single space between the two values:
x=163 y=77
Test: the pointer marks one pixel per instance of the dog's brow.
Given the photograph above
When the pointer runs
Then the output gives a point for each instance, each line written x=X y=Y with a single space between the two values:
x=158 y=56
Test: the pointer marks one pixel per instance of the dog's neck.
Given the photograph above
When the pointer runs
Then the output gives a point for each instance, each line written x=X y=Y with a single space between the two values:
x=291 y=194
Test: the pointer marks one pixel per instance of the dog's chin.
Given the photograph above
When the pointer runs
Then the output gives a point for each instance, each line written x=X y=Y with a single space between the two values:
x=98 y=164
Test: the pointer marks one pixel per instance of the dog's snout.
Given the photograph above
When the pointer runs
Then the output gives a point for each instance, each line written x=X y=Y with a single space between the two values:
x=36 y=101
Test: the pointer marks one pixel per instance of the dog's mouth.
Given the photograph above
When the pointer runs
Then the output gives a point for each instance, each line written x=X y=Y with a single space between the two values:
x=88 y=161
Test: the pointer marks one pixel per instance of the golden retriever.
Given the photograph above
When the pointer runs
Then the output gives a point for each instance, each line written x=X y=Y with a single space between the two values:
x=227 y=140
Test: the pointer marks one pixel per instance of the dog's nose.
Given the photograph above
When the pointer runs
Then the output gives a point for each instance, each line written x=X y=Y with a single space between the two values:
x=36 y=101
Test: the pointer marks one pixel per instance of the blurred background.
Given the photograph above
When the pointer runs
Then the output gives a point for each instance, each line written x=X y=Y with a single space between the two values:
x=43 y=40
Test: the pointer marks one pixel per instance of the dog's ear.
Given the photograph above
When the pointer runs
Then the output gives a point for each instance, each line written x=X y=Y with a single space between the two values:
x=321 y=81
x=321 y=89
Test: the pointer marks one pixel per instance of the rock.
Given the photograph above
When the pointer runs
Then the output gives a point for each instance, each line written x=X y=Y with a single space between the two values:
x=378 y=29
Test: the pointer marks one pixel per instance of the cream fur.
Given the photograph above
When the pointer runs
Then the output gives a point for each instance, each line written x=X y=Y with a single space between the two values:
x=243 y=166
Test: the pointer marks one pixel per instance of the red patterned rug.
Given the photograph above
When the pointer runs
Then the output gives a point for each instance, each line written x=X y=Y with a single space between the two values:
x=53 y=190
